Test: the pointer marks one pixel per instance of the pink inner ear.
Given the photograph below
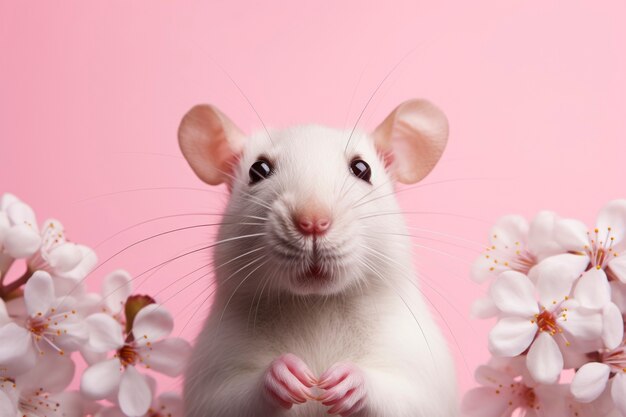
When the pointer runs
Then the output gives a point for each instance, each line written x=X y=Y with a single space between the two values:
x=230 y=167
x=387 y=157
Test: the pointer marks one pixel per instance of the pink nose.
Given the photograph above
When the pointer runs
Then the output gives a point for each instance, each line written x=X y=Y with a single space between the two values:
x=312 y=224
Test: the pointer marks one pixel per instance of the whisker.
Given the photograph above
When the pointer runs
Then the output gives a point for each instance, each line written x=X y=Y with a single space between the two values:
x=133 y=190
x=473 y=250
x=166 y=155
x=456 y=237
x=379 y=275
x=226 y=280
x=436 y=213
x=179 y=229
x=253 y=198
x=246 y=98
x=369 y=100
x=402 y=271
x=169 y=216
x=401 y=244
x=204 y=275
x=422 y=185
x=171 y=260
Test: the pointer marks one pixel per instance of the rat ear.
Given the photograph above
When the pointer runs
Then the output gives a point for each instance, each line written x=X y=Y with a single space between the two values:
x=412 y=139
x=211 y=143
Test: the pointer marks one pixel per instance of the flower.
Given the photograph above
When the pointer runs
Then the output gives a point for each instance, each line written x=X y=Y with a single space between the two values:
x=19 y=235
x=39 y=392
x=592 y=379
x=116 y=288
x=51 y=324
x=604 y=247
x=517 y=246
x=168 y=404
x=514 y=245
x=505 y=389
x=68 y=263
x=528 y=324
x=146 y=344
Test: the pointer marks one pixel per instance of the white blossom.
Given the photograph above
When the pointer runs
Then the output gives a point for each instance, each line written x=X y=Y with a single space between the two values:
x=40 y=392
x=526 y=323
x=67 y=262
x=51 y=325
x=19 y=234
x=147 y=345
x=514 y=245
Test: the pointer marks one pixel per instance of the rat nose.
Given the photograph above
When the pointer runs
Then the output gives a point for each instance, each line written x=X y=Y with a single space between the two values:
x=312 y=223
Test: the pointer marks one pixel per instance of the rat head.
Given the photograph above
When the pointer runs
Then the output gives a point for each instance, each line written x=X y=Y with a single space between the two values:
x=312 y=209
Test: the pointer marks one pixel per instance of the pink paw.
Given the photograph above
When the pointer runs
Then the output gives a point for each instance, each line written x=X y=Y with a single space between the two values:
x=344 y=385
x=288 y=381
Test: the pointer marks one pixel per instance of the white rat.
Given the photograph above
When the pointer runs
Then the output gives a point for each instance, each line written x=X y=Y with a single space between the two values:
x=317 y=309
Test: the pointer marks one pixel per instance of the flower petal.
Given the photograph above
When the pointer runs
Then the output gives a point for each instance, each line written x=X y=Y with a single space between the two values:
x=17 y=353
x=544 y=360
x=87 y=263
x=571 y=234
x=613 y=326
x=8 y=405
x=511 y=336
x=489 y=376
x=70 y=404
x=39 y=293
x=105 y=333
x=592 y=290
x=618 y=392
x=168 y=356
x=135 y=396
x=618 y=295
x=64 y=257
x=112 y=412
x=617 y=265
x=570 y=264
x=483 y=402
x=6 y=200
x=482 y=269
x=512 y=293
x=21 y=213
x=612 y=218
x=21 y=241
x=555 y=278
x=509 y=231
x=117 y=287
x=153 y=322
x=541 y=240
x=52 y=374
x=101 y=380
x=484 y=308
x=581 y=323
x=590 y=381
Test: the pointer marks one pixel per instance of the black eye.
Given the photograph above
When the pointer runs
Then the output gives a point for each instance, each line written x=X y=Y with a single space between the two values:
x=260 y=170
x=361 y=169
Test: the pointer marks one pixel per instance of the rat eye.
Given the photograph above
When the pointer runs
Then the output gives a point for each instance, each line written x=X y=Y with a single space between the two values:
x=260 y=170
x=361 y=169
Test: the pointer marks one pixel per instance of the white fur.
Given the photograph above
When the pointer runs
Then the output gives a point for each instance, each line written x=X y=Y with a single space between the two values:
x=376 y=320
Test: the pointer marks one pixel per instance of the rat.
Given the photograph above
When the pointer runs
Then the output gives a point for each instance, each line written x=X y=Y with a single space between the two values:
x=317 y=308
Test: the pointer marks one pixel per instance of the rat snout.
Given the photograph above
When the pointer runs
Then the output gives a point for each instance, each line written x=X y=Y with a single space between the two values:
x=312 y=220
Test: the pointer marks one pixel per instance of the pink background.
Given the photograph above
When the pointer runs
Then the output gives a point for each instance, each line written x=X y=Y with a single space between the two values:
x=91 y=94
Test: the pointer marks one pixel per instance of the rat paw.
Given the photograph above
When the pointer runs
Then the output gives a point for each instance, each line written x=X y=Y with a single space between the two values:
x=344 y=386
x=288 y=381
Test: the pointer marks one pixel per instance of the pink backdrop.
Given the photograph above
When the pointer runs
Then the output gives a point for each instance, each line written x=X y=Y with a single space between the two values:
x=91 y=94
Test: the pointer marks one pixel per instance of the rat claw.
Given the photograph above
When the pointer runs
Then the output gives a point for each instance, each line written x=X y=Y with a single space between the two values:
x=345 y=389
x=287 y=381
